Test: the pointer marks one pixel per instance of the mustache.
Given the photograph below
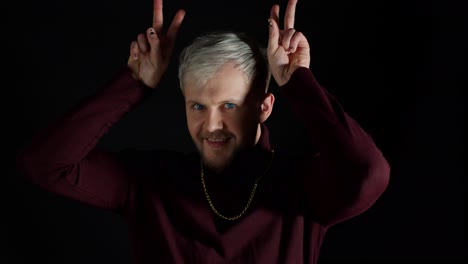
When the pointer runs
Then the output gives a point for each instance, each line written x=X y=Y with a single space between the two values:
x=217 y=134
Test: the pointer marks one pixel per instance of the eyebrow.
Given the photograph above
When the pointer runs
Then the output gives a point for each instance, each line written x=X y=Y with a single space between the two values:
x=231 y=100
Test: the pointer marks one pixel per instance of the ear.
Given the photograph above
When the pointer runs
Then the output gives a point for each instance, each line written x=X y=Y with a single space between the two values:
x=266 y=107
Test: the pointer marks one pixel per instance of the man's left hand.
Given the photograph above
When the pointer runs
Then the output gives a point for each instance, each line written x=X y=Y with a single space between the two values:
x=288 y=49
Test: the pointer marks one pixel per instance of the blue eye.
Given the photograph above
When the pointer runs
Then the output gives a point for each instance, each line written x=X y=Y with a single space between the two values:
x=230 y=105
x=198 y=106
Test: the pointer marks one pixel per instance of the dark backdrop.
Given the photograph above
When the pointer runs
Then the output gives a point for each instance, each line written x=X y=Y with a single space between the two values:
x=396 y=66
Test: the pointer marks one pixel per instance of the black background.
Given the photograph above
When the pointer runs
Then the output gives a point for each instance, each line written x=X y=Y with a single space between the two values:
x=396 y=66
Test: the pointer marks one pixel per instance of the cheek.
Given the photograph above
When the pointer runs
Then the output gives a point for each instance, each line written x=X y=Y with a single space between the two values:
x=242 y=123
x=193 y=124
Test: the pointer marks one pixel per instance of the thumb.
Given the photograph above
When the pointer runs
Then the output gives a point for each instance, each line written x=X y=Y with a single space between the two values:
x=273 y=40
x=133 y=60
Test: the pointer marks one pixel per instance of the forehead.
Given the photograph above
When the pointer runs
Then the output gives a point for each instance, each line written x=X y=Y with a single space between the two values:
x=228 y=82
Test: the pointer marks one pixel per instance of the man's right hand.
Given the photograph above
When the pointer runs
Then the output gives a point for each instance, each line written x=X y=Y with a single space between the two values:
x=150 y=54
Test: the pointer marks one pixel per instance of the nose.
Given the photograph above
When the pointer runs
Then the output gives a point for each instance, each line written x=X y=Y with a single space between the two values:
x=214 y=121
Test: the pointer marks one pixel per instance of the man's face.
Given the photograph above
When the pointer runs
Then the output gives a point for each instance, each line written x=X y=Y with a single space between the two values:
x=223 y=116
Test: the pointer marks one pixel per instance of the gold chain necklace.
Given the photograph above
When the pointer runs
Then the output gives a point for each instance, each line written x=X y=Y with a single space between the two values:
x=202 y=175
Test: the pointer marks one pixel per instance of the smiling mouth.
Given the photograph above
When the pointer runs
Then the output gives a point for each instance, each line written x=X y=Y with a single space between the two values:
x=217 y=139
x=217 y=142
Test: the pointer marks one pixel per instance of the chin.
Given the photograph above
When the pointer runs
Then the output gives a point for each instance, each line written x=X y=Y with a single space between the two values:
x=216 y=164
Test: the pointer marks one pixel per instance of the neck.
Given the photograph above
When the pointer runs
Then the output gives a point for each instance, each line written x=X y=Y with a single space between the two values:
x=259 y=133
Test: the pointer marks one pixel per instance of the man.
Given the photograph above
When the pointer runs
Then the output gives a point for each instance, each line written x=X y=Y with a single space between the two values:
x=235 y=200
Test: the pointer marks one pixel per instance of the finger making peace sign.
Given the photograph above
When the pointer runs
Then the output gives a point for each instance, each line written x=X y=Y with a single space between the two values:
x=288 y=49
x=150 y=54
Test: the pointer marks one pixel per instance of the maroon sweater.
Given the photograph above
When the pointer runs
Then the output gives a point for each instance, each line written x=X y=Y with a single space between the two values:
x=160 y=194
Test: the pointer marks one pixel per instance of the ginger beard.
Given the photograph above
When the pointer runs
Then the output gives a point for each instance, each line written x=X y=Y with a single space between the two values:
x=218 y=150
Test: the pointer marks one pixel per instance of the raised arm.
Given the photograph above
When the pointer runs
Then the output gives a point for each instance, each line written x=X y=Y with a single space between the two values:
x=62 y=158
x=350 y=172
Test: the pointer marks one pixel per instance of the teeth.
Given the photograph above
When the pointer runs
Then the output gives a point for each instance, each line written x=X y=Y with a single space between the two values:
x=216 y=139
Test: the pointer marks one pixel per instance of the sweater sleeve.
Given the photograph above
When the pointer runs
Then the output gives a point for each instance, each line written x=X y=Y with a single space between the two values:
x=349 y=172
x=62 y=158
